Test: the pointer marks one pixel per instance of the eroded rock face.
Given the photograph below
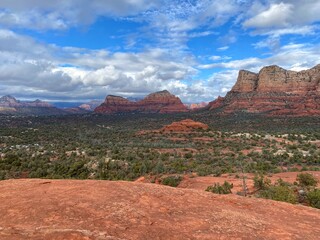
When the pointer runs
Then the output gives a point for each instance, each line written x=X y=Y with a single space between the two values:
x=274 y=91
x=247 y=82
x=186 y=125
x=115 y=104
x=159 y=102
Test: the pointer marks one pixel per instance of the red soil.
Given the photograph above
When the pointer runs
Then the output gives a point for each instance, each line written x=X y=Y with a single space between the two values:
x=66 y=209
x=201 y=183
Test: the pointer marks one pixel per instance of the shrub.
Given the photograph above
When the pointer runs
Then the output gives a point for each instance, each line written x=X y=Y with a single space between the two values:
x=279 y=193
x=261 y=183
x=307 y=180
x=225 y=188
x=280 y=182
x=159 y=168
x=313 y=198
x=172 y=181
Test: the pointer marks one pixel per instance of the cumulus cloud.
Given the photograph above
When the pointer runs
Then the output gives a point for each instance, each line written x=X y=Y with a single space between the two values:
x=291 y=56
x=283 y=17
x=277 y=15
x=43 y=15
x=86 y=73
x=34 y=68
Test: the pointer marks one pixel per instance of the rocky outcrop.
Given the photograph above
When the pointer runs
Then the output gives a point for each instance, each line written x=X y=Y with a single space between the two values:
x=274 y=91
x=90 y=106
x=116 y=104
x=186 y=125
x=196 y=106
x=159 y=102
x=70 y=209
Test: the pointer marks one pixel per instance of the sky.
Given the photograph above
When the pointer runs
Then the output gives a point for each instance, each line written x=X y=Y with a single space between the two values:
x=79 y=50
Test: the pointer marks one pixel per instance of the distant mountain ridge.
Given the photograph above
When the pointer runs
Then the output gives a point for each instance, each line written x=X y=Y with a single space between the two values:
x=10 y=101
x=158 y=102
x=10 y=105
x=273 y=91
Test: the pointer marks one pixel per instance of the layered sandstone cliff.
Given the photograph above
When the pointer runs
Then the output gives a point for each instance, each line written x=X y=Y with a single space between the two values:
x=159 y=102
x=274 y=91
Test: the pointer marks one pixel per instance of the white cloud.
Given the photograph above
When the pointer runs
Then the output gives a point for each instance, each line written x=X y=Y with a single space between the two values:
x=291 y=56
x=218 y=58
x=282 y=17
x=223 y=48
x=176 y=21
x=217 y=84
x=276 y=16
x=83 y=73
x=69 y=72
x=298 y=30
x=43 y=15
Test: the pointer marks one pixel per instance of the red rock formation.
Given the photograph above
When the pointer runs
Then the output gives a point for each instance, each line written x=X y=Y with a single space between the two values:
x=90 y=106
x=196 y=106
x=69 y=209
x=159 y=102
x=186 y=125
x=274 y=91
x=115 y=104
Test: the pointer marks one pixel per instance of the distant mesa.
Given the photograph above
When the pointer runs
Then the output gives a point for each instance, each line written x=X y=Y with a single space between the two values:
x=90 y=106
x=83 y=108
x=186 y=125
x=196 y=106
x=159 y=102
x=273 y=91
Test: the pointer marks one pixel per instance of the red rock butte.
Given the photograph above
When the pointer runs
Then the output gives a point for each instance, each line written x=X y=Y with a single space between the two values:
x=85 y=210
x=159 y=102
x=274 y=91
x=186 y=125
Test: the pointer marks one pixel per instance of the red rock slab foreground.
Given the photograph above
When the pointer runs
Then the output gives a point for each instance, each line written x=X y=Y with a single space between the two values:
x=68 y=209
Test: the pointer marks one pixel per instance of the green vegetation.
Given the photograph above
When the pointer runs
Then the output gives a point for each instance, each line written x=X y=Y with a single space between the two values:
x=261 y=182
x=313 y=198
x=305 y=192
x=225 y=188
x=172 y=181
x=307 y=180
x=110 y=147
x=279 y=193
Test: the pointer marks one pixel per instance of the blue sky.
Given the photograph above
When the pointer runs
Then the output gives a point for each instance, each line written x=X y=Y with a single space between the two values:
x=78 y=50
